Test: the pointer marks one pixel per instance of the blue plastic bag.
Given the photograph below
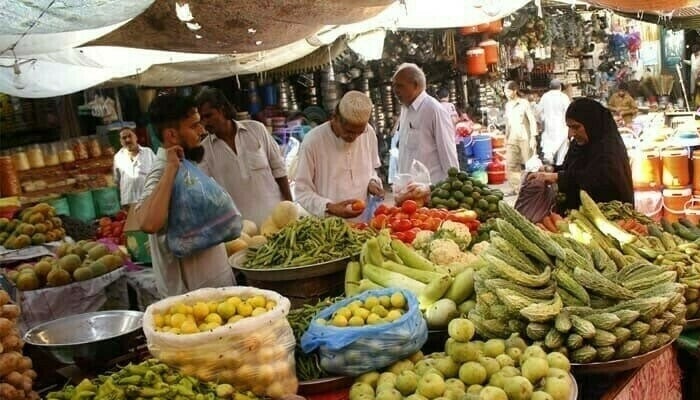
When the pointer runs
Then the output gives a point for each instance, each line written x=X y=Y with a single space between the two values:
x=356 y=350
x=201 y=214
x=370 y=207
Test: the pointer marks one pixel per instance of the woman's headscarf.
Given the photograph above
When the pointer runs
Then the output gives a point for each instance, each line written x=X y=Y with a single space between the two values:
x=597 y=119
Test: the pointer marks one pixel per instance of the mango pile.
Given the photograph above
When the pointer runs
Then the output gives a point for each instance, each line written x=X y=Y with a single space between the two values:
x=469 y=369
x=75 y=263
x=16 y=373
x=205 y=316
x=33 y=226
x=373 y=311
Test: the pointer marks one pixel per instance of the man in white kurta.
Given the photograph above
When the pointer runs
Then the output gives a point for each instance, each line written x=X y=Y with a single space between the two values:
x=243 y=158
x=552 y=110
x=338 y=161
x=132 y=163
x=427 y=133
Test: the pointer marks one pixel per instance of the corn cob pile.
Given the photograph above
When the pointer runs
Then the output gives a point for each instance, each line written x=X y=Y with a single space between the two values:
x=590 y=292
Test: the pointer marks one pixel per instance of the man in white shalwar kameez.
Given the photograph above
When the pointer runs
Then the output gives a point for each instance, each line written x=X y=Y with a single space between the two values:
x=338 y=161
x=552 y=109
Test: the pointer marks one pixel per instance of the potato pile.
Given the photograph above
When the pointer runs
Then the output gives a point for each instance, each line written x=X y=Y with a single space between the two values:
x=16 y=373
x=33 y=226
x=77 y=262
x=373 y=311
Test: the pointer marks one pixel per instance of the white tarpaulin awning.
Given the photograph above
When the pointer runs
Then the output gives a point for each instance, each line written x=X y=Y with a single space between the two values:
x=66 y=70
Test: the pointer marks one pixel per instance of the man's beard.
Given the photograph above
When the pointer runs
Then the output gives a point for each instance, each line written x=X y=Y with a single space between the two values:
x=195 y=154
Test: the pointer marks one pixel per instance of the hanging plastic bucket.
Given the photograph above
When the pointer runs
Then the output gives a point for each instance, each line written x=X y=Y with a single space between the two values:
x=60 y=205
x=692 y=210
x=106 y=201
x=646 y=169
x=483 y=149
x=649 y=203
x=676 y=167
x=674 y=203
x=82 y=206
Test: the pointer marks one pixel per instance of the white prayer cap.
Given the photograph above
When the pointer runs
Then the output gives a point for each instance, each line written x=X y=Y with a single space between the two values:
x=355 y=107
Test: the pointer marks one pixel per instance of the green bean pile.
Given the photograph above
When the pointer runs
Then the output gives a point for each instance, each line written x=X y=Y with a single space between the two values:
x=308 y=241
x=307 y=365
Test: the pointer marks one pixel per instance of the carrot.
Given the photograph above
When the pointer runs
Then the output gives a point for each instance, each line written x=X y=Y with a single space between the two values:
x=539 y=225
x=549 y=224
x=556 y=218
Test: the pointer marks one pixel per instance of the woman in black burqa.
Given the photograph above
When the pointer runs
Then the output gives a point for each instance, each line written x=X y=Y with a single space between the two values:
x=597 y=159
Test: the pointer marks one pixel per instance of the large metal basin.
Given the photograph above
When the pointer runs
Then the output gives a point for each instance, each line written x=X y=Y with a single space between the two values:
x=87 y=339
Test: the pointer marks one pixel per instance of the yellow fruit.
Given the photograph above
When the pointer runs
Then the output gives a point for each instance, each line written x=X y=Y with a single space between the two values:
x=339 y=321
x=235 y=300
x=179 y=308
x=354 y=305
x=258 y=311
x=257 y=301
x=167 y=320
x=203 y=327
x=190 y=317
x=393 y=315
x=235 y=319
x=345 y=312
x=266 y=374
x=200 y=310
x=397 y=300
x=175 y=331
x=177 y=319
x=379 y=310
x=226 y=310
x=373 y=319
x=189 y=327
x=385 y=301
x=158 y=320
x=244 y=309
x=266 y=355
x=165 y=329
x=356 y=321
x=213 y=319
x=371 y=301
x=270 y=305
x=361 y=312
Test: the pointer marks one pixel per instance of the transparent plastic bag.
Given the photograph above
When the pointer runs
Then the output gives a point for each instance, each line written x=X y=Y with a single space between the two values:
x=371 y=206
x=202 y=214
x=256 y=353
x=356 y=350
x=536 y=199
x=414 y=185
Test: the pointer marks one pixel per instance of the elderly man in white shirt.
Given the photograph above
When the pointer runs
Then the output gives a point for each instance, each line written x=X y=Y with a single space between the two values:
x=132 y=163
x=338 y=161
x=426 y=129
x=243 y=158
x=552 y=109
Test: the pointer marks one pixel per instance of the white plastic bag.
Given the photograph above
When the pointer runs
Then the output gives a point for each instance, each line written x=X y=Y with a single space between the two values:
x=256 y=353
x=414 y=185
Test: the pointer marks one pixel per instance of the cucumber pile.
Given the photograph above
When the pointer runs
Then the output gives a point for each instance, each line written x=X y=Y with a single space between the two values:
x=460 y=191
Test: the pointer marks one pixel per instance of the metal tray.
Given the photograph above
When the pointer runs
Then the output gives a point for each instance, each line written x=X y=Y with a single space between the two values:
x=619 y=365
x=692 y=323
x=324 y=385
x=288 y=274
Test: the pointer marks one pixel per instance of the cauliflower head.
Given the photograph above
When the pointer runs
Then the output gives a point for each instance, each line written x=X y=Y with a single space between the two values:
x=422 y=239
x=457 y=232
x=444 y=252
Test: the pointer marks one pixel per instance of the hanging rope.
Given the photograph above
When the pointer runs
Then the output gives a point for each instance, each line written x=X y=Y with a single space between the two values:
x=29 y=28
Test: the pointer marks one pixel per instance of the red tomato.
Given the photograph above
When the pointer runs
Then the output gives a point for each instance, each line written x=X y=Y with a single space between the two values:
x=409 y=236
x=120 y=215
x=361 y=226
x=424 y=225
x=423 y=210
x=393 y=210
x=382 y=209
x=409 y=206
x=401 y=215
x=433 y=223
x=379 y=222
x=416 y=223
x=358 y=205
x=402 y=225
x=473 y=225
x=420 y=217
x=400 y=236
x=105 y=221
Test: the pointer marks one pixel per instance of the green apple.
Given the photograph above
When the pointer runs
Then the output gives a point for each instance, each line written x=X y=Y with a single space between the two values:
x=361 y=389
x=461 y=329
x=540 y=395
x=491 y=364
x=386 y=377
x=369 y=378
x=494 y=347
x=447 y=367
x=518 y=388
x=472 y=373
x=400 y=366
x=558 y=360
x=407 y=382
x=463 y=352
x=516 y=341
x=416 y=396
x=559 y=389
x=493 y=393
x=505 y=361
x=533 y=351
x=431 y=385
x=514 y=353
x=535 y=369
x=455 y=384
x=391 y=394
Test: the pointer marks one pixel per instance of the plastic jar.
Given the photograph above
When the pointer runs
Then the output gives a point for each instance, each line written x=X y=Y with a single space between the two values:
x=20 y=160
x=51 y=155
x=65 y=154
x=80 y=149
x=93 y=146
x=35 y=154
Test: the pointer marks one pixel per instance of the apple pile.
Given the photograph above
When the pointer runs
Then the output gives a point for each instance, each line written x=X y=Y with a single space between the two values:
x=470 y=369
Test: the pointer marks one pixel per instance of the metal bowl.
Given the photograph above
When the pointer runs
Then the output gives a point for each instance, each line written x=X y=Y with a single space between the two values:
x=237 y=262
x=88 y=338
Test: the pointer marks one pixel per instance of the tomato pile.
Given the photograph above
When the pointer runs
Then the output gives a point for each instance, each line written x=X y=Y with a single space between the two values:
x=113 y=227
x=406 y=221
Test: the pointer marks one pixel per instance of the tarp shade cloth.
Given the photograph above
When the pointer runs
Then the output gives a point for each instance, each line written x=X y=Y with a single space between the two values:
x=655 y=6
x=90 y=65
